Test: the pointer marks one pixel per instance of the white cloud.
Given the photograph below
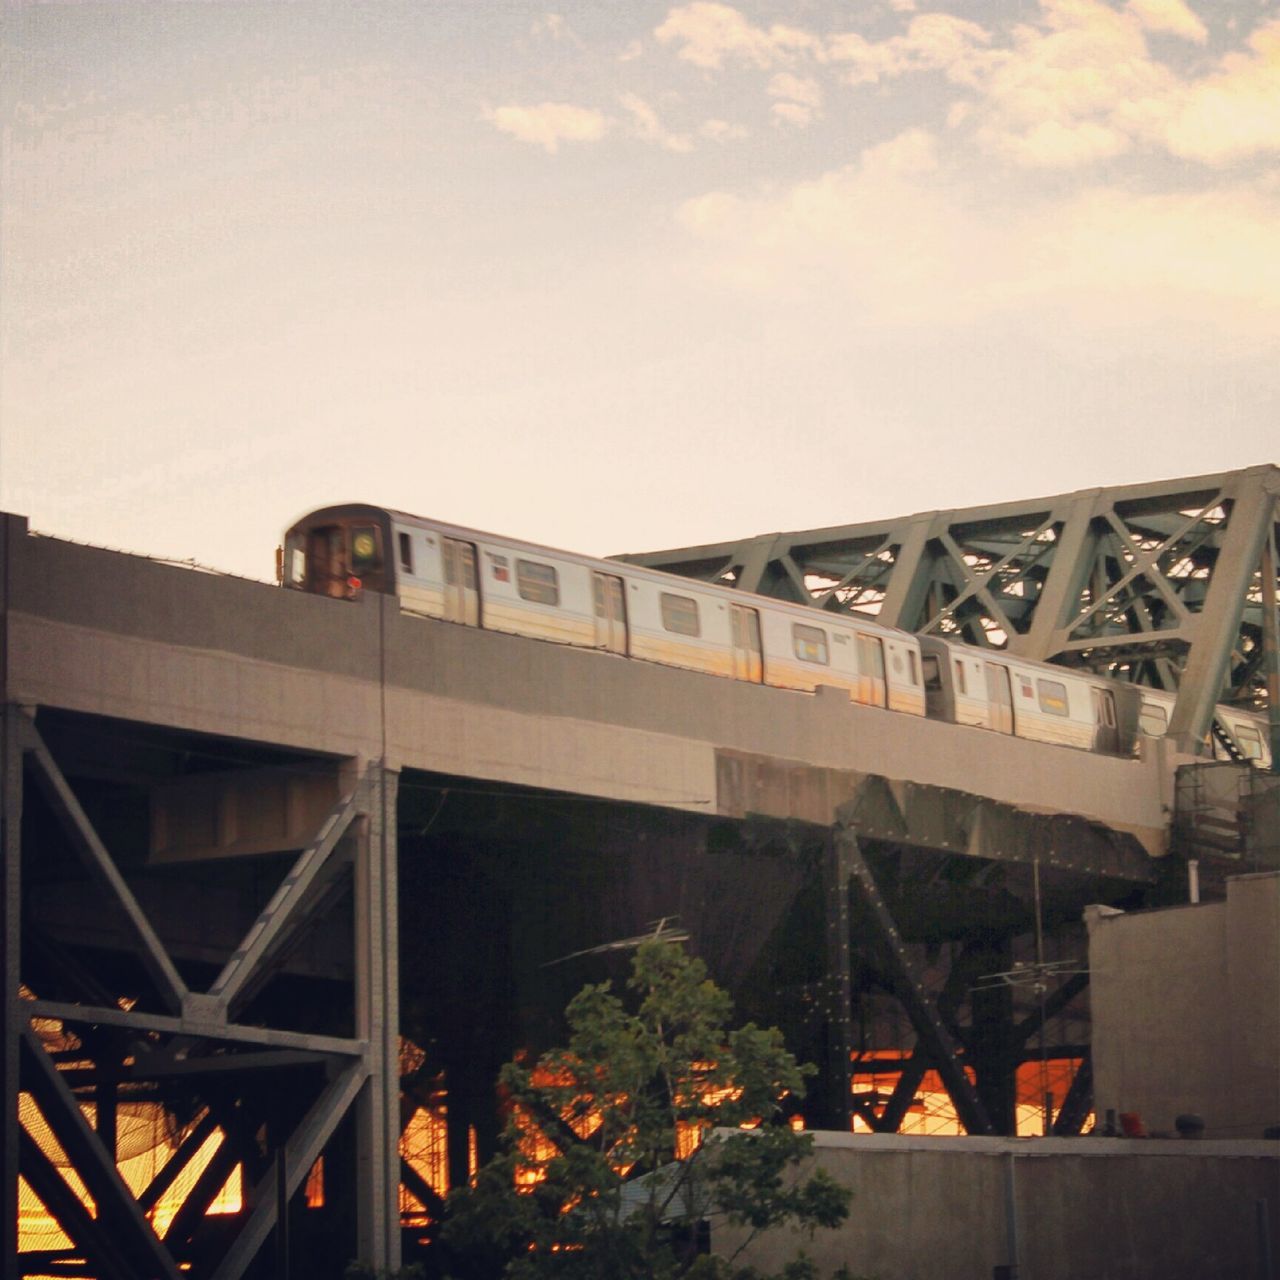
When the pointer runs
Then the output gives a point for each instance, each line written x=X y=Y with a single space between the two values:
x=710 y=34
x=721 y=130
x=1234 y=111
x=550 y=123
x=792 y=113
x=646 y=125
x=933 y=41
x=1171 y=16
x=903 y=241
x=793 y=88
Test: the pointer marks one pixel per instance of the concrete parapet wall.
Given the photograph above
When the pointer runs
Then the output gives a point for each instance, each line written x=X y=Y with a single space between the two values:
x=1073 y=1208
x=116 y=635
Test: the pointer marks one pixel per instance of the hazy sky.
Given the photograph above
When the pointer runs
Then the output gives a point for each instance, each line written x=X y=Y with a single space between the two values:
x=621 y=276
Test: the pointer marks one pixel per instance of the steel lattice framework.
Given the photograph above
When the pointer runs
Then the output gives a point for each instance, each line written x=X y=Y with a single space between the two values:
x=1172 y=584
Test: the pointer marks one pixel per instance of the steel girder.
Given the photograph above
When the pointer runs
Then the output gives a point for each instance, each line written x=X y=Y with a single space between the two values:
x=1171 y=584
x=197 y=1035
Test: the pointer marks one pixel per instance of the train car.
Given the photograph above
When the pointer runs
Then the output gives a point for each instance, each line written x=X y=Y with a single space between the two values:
x=1236 y=734
x=1043 y=703
x=501 y=584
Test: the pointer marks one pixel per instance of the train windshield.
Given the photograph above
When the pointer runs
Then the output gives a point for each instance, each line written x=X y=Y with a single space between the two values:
x=339 y=559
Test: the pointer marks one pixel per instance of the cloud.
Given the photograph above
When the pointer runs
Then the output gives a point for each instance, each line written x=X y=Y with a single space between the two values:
x=1233 y=112
x=710 y=34
x=796 y=89
x=932 y=41
x=550 y=123
x=900 y=239
x=1171 y=16
x=646 y=126
x=721 y=130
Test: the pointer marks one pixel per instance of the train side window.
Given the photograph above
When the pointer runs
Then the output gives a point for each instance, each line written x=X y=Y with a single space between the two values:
x=810 y=643
x=1153 y=720
x=680 y=614
x=406 y=553
x=539 y=583
x=961 y=686
x=1053 y=697
x=932 y=672
x=1250 y=741
x=913 y=674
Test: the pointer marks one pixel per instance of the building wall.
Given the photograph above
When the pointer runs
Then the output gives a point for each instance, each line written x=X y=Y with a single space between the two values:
x=1095 y=1208
x=1186 y=1010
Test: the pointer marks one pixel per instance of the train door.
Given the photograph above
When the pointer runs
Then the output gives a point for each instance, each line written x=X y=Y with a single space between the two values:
x=611 y=613
x=327 y=561
x=461 y=592
x=871 y=682
x=999 y=698
x=1106 y=734
x=748 y=656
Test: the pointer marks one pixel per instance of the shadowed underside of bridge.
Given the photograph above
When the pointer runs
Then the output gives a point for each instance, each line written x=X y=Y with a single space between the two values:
x=253 y=839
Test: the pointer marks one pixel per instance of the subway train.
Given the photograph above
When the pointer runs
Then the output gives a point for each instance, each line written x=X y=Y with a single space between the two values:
x=501 y=584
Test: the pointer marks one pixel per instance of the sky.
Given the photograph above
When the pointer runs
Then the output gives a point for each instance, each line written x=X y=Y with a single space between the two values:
x=619 y=277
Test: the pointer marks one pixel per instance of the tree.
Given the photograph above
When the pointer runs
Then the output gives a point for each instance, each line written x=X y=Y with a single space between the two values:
x=620 y=1143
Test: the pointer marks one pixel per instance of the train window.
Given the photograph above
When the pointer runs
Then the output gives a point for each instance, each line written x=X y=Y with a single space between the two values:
x=960 y=681
x=1250 y=741
x=810 y=643
x=1153 y=720
x=1053 y=697
x=364 y=550
x=912 y=674
x=680 y=614
x=406 y=553
x=537 y=582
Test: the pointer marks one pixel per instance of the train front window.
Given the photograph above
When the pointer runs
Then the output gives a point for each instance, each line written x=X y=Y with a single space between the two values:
x=364 y=550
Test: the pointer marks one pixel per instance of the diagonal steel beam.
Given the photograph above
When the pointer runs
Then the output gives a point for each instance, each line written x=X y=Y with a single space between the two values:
x=301 y=1152
x=101 y=866
x=270 y=931
x=117 y=1209
x=911 y=991
x=92 y=1237
x=1253 y=512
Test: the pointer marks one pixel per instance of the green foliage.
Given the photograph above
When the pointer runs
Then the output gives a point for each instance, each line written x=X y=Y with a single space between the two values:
x=597 y=1124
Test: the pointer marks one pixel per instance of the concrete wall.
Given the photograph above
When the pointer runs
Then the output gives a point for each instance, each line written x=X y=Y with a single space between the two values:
x=1186 y=1010
x=1083 y=1209
x=111 y=634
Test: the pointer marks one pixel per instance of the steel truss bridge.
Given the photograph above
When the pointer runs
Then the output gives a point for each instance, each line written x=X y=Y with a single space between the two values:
x=252 y=837
x=1171 y=585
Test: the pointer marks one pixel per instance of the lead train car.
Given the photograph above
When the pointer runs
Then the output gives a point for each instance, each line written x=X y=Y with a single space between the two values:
x=481 y=580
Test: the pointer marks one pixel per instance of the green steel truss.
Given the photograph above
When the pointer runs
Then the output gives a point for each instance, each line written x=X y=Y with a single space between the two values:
x=1172 y=584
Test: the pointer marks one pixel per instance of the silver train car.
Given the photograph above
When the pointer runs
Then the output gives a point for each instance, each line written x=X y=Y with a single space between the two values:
x=483 y=580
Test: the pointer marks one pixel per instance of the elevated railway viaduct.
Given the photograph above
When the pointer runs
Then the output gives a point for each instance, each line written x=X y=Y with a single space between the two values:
x=253 y=836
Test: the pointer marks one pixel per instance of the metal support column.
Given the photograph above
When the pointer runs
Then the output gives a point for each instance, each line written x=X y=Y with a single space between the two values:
x=10 y=894
x=839 y=987
x=378 y=1024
